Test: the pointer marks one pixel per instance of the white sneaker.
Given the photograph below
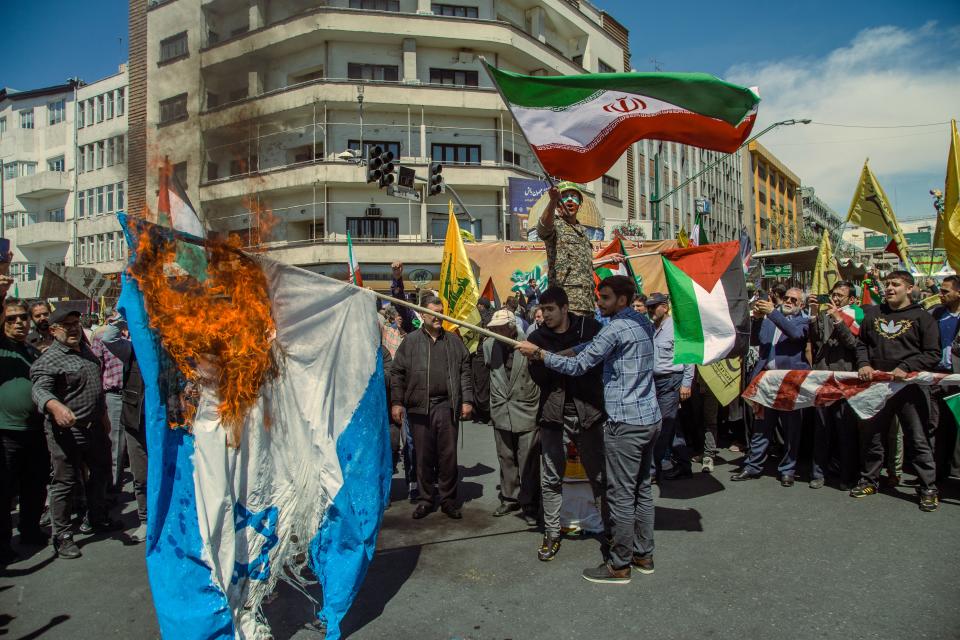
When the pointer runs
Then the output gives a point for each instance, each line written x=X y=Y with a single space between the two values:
x=140 y=534
x=707 y=464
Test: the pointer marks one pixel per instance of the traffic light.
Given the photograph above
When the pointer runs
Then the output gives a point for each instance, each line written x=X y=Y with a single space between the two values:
x=387 y=169
x=380 y=167
x=436 y=186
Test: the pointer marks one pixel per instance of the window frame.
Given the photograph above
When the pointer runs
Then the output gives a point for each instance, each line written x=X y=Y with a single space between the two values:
x=175 y=108
x=457 y=148
x=437 y=73
x=173 y=54
x=352 y=67
x=52 y=162
x=443 y=8
x=355 y=224
x=56 y=112
x=26 y=116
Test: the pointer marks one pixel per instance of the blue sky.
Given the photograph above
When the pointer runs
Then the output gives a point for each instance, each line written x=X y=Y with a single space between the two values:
x=881 y=62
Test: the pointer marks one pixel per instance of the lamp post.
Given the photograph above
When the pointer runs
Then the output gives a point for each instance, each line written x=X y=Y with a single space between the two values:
x=656 y=199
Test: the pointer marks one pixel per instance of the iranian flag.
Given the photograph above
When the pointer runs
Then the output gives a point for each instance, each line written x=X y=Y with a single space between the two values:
x=870 y=292
x=579 y=126
x=708 y=295
x=353 y=266
x=852 y=317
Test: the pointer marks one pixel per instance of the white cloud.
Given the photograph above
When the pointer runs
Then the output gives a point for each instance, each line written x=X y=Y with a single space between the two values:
x=884 y=76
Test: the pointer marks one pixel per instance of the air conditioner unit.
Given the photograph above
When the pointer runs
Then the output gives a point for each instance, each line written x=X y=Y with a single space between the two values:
x=373 y=212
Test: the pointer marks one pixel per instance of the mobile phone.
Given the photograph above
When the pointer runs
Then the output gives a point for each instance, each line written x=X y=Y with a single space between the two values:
x=823 y=298
x=4 y=249
x=763 y=295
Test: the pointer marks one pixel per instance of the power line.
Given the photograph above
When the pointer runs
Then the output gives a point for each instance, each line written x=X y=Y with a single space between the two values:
x=880 y=126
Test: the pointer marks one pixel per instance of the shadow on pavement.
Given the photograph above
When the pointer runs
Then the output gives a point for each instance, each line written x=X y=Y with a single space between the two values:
x=667 y=519
x=701 y=484
x=16 y=573
x=388 y=572
x=54 y=621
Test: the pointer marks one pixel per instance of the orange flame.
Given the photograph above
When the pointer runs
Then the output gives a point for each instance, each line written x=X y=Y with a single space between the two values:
x=218 y=331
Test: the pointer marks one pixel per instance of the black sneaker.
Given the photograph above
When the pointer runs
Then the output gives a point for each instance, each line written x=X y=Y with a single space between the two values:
x=643 y=564
x=87 y=527
x=66 y=548
x=863 y=490
x=549 y=548
x=607 y=574
x=929 y=500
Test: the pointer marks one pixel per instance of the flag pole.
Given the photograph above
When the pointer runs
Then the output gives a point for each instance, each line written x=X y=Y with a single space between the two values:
x=486 y=67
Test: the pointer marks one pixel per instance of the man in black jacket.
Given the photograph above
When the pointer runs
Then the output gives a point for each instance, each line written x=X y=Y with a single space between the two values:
x=834 y=348
x=900 y=337
x=431 y=382
x=571 y=406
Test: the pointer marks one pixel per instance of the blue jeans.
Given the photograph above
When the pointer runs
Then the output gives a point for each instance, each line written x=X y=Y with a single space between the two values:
x=628 y=451
x=791 y=422
x=668 y=397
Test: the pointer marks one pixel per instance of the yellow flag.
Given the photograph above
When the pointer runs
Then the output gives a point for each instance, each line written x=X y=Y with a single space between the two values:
x=458 y=287
x=951 y=201
x=723 y=378
x=825 y=271
x=871 y=208
x=683 y=240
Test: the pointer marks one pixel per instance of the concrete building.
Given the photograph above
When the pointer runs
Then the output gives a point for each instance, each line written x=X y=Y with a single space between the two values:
x=818 y=215
x=718 y=194
x=63 y=151
x=772 y=211
x=255 y=102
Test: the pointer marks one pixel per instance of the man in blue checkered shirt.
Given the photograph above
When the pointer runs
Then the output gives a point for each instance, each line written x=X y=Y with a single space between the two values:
x=625 y=347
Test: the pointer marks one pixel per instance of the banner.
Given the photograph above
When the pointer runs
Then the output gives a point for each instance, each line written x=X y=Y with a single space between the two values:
x=723 y=378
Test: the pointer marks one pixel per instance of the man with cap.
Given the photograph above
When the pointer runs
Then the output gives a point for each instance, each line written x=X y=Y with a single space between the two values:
x=514 y=401
x=673 y=383
x=569 y=252
x=67 y=389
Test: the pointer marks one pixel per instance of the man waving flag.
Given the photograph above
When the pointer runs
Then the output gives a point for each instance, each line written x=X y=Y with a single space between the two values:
x=580 y=125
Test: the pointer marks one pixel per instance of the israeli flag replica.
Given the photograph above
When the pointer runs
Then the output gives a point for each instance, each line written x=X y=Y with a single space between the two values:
x=305 y=485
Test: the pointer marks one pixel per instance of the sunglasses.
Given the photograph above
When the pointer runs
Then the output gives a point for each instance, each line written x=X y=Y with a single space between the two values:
x=19 y=316
x=791 y=299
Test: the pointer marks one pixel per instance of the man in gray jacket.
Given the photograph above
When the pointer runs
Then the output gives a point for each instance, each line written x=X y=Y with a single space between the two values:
x=431 y=383
x=514 y=401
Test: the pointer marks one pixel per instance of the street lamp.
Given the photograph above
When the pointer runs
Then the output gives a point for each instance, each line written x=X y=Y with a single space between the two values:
x=657 y=199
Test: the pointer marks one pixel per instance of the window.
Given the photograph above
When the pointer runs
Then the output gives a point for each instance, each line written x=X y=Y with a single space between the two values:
x=120 y=97
x=83 y=250
x=511 y=157
x=121 y=246
x=119 y=196
x=119 y=148
x=10 y=171
x=173 y=109
x=109 y=100
x=89 y=110
x=603 y=67
x=89 y=149
x=56 y=111
x=109 y=191
x=26 y=119
x=455 y=153
x=99 y=154
x=56 y=164
x=109 y=152
x=80 y=121
x=112 y=246
x=103 y=246
x=81 y=204
x=23 y=271
x=376 y=5
x=174 y=47
x=454 y=10
x=26 y=168
x=376 y=72
x=611 y=188
x=99 y=100
x=454 y=77
x=3 y=126
x=438 y=228
x=369 y=144
x=56 y=215
x=90 y=208
x=374 y=228
x=99 y=191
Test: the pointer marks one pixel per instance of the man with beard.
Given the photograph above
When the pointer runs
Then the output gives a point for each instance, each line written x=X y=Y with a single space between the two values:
x=40 y=337
x=782 y=335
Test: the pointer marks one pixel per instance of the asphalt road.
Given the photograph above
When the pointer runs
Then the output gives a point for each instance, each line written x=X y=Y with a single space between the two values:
x=746 y=560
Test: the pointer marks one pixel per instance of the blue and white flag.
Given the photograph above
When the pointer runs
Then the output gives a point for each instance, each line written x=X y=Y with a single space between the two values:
x=306 y=485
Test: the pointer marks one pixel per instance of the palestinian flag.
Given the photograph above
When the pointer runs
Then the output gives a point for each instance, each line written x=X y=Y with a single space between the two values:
x=871 y=292
x=953 y=402
x=708 y=294
x=852 y=317
x=612 y=268
x=579 y=126
x=490 y=293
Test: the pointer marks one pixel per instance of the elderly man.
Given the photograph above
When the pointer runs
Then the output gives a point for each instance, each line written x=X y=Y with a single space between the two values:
x=569 y=252
x=673 y=382
x=67 y=388
x=514 y=400
x=782 y=336
x=431 y=384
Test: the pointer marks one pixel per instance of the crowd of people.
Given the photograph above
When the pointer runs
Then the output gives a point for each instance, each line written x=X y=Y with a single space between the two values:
x=588 y=369
x=70 y=422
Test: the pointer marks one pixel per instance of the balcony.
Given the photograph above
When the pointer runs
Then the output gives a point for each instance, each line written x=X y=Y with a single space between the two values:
x=41 y=235
x=43 y=184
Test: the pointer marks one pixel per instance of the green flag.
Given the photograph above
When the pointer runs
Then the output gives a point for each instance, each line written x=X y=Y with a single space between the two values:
x=954 y=403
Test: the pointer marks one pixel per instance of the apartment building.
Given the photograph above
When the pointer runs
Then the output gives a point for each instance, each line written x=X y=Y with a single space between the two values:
x=717 y=194
x=255 y=104
x=818 y=215
x=63 y=151
x=771 y=200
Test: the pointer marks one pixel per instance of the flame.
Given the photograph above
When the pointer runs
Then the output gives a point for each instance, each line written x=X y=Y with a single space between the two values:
x=218 y=332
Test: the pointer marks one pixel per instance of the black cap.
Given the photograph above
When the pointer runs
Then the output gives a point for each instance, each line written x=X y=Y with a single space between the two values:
x=62 y=314
x=657 y=298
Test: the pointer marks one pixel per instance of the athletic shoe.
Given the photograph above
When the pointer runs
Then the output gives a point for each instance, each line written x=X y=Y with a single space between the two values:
x=66 y=548
x=929 y=500
x=707 y=464
x=863 y=490
x=549 y=547
x=607 y=575
x=816 y=483
x=505 y=508
x=643 y=564
x=140 y=534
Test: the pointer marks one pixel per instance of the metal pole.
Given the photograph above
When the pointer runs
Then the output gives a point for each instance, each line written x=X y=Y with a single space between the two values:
x=486 y=67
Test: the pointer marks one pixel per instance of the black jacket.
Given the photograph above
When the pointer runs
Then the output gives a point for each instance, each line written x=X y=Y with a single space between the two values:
x=907 y=338
x=834 y=348
x=411 y=366
x=587 y=389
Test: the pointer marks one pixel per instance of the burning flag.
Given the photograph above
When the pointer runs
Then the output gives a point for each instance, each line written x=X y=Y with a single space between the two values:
x=352 y=265
x=709 y=299
x=175 y=210
x=267 y=434
x=579 y=126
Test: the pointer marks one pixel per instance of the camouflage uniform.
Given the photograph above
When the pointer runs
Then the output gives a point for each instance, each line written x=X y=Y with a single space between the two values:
x=570 y=263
